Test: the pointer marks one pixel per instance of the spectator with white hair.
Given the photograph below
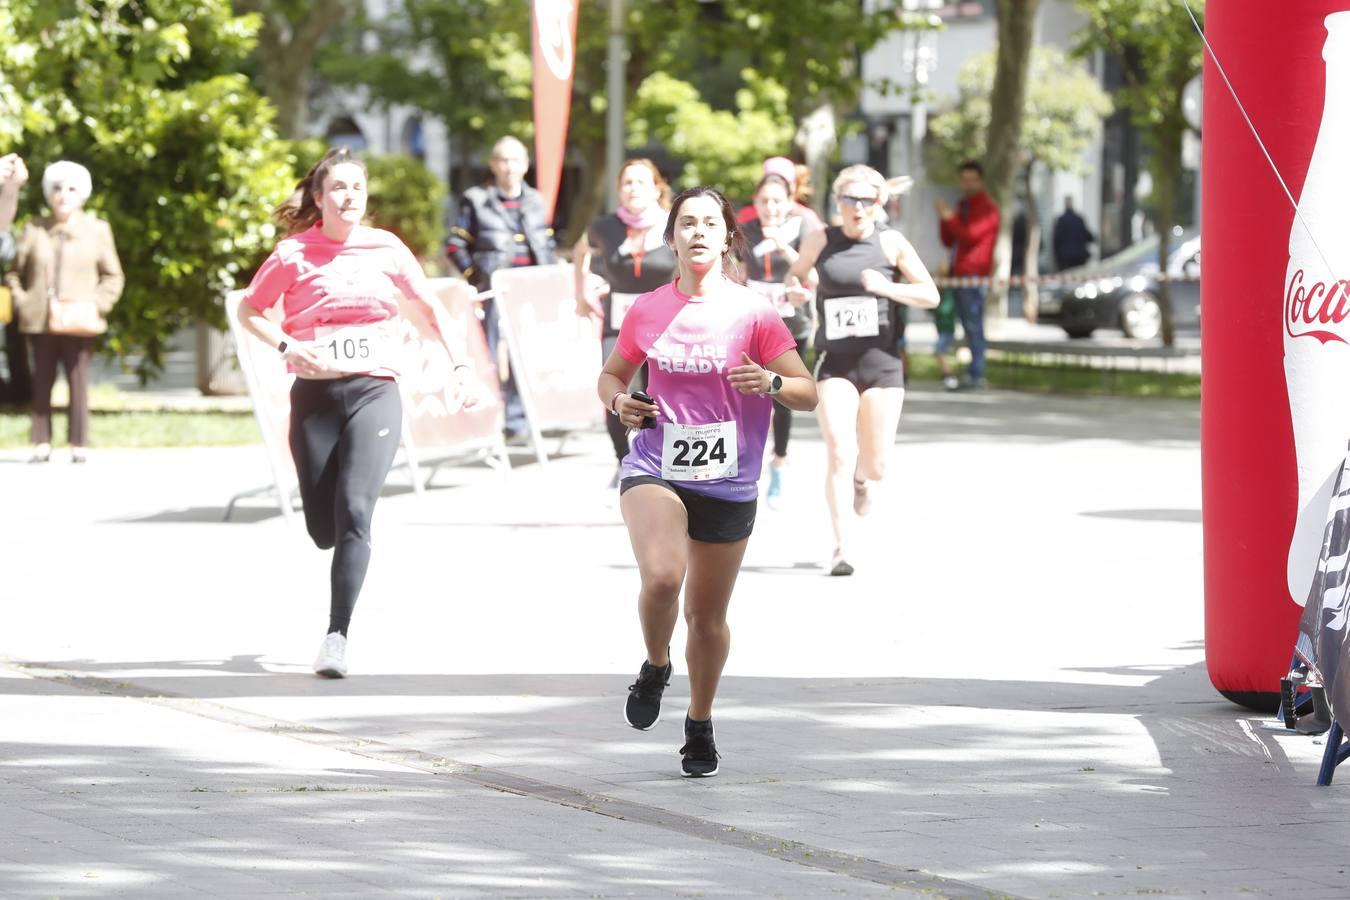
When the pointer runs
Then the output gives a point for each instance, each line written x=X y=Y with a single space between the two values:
x=66 y=279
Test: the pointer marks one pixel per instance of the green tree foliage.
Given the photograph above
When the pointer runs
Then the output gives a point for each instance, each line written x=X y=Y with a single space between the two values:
x=145 y=93
x=1063 y=115
x=468 y=63
x=289 y=37
x=1064 y=110
x=407 y=199
x=1161 y=54
x=721 y=148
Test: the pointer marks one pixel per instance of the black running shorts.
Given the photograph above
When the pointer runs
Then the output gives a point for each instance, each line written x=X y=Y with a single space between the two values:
x=711 y=520
x=872 y=368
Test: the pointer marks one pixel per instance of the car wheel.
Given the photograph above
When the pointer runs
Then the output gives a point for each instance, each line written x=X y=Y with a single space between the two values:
x=1141 y=316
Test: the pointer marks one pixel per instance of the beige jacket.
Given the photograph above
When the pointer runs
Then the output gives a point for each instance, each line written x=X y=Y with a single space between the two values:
x=75 y=261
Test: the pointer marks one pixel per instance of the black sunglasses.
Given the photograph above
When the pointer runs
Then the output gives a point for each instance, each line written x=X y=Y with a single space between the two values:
x=849 y=200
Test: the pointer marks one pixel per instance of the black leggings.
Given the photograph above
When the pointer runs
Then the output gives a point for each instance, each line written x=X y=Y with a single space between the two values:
x=782 y=416
x=344 y=433
x=618 y=434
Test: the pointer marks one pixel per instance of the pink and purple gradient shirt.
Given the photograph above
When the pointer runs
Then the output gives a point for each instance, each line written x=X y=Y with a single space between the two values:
x=328 y=283
x=689 y=343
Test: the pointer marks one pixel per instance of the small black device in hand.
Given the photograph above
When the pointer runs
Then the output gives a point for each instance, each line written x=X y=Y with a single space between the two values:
x=641 y=397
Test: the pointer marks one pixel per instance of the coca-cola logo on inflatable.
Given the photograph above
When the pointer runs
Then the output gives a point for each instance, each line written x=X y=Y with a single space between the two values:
x=1309 y=309
x=552 y=23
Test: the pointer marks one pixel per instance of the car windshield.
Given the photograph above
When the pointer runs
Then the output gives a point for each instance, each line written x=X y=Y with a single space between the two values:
x=1144 y=253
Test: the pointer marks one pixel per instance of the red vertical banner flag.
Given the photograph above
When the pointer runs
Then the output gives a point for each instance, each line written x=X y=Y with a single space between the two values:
x=555 y=43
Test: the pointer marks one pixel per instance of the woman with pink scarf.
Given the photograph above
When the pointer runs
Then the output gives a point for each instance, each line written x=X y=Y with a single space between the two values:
x=621 y=256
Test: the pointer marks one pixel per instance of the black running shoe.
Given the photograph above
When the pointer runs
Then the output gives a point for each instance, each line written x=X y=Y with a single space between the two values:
x=699 y=750
x=642 y=710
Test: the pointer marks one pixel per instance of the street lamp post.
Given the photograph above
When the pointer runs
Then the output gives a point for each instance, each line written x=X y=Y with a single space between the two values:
x=614 y=118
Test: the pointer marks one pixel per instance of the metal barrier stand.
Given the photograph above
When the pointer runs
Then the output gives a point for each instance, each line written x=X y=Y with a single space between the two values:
x=1337 y=752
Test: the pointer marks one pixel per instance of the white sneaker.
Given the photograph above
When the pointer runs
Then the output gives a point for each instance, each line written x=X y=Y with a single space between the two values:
x=332 y=660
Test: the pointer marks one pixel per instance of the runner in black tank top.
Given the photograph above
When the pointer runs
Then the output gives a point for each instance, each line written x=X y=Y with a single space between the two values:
x=773 y=238
x=627 y=250
x=862 y=386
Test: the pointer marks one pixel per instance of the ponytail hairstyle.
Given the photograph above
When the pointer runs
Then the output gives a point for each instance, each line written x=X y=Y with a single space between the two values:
x=299 y=212
x=802 y=185
x=736 y=248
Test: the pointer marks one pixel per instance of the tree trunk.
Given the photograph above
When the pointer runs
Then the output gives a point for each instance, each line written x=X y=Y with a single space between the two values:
x=590 y=196
x=1016 y=29
x=1165 y=181
x=285 y=53
x=816 y=138
x=1031 y=289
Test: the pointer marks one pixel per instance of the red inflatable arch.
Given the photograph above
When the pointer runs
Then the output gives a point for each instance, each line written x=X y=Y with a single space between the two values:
x=1275 y=408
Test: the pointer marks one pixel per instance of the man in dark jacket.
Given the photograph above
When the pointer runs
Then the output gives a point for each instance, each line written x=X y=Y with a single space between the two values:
x=970 y=231
x=1071 y=238
x=501 y=226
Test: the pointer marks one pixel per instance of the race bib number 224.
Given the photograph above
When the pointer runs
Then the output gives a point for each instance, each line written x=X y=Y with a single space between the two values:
x=699 y=452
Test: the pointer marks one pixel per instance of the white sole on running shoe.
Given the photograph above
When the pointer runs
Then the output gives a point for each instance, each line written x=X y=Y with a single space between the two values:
x=655 y=722
x=684 y=774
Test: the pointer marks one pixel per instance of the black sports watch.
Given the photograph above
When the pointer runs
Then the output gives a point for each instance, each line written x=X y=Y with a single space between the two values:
x=775 y=382
x=281 y=348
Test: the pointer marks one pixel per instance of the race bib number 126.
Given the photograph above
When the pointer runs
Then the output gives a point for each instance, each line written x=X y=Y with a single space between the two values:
x=847 y=317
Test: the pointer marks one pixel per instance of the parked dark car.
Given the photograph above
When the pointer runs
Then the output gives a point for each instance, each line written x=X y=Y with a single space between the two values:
x=1123 y=291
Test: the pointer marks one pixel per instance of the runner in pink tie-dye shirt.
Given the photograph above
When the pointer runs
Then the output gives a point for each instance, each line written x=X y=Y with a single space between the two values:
x=716 y=353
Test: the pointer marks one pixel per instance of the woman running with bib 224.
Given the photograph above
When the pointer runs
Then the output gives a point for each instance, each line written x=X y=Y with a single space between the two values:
x=717 y=356
x=339 y=282
x=862 y=384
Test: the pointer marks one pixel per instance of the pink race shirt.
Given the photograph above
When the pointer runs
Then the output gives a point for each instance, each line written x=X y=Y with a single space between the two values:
x=689 y=343
x=324 y=283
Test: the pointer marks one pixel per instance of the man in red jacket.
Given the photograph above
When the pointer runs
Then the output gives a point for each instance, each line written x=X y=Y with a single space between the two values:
x=970 y=230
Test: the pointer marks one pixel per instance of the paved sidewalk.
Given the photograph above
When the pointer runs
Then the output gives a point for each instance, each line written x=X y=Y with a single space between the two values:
x=1009 y=697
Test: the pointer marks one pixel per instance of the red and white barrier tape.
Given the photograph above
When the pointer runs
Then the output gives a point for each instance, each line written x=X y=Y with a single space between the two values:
x=1063 y=279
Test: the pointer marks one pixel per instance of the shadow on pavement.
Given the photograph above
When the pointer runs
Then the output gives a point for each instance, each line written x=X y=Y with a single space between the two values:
x=1034 y=787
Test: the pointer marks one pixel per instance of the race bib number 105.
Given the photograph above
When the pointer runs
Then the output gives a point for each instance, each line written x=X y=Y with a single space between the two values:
x=699 y=452
x=358 y=348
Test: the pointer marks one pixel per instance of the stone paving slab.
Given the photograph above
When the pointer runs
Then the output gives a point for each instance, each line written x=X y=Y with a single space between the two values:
x=1009 y=697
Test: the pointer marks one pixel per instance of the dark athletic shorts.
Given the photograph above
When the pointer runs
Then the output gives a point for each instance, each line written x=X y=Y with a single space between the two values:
x=711 y=521
x=871 y=368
